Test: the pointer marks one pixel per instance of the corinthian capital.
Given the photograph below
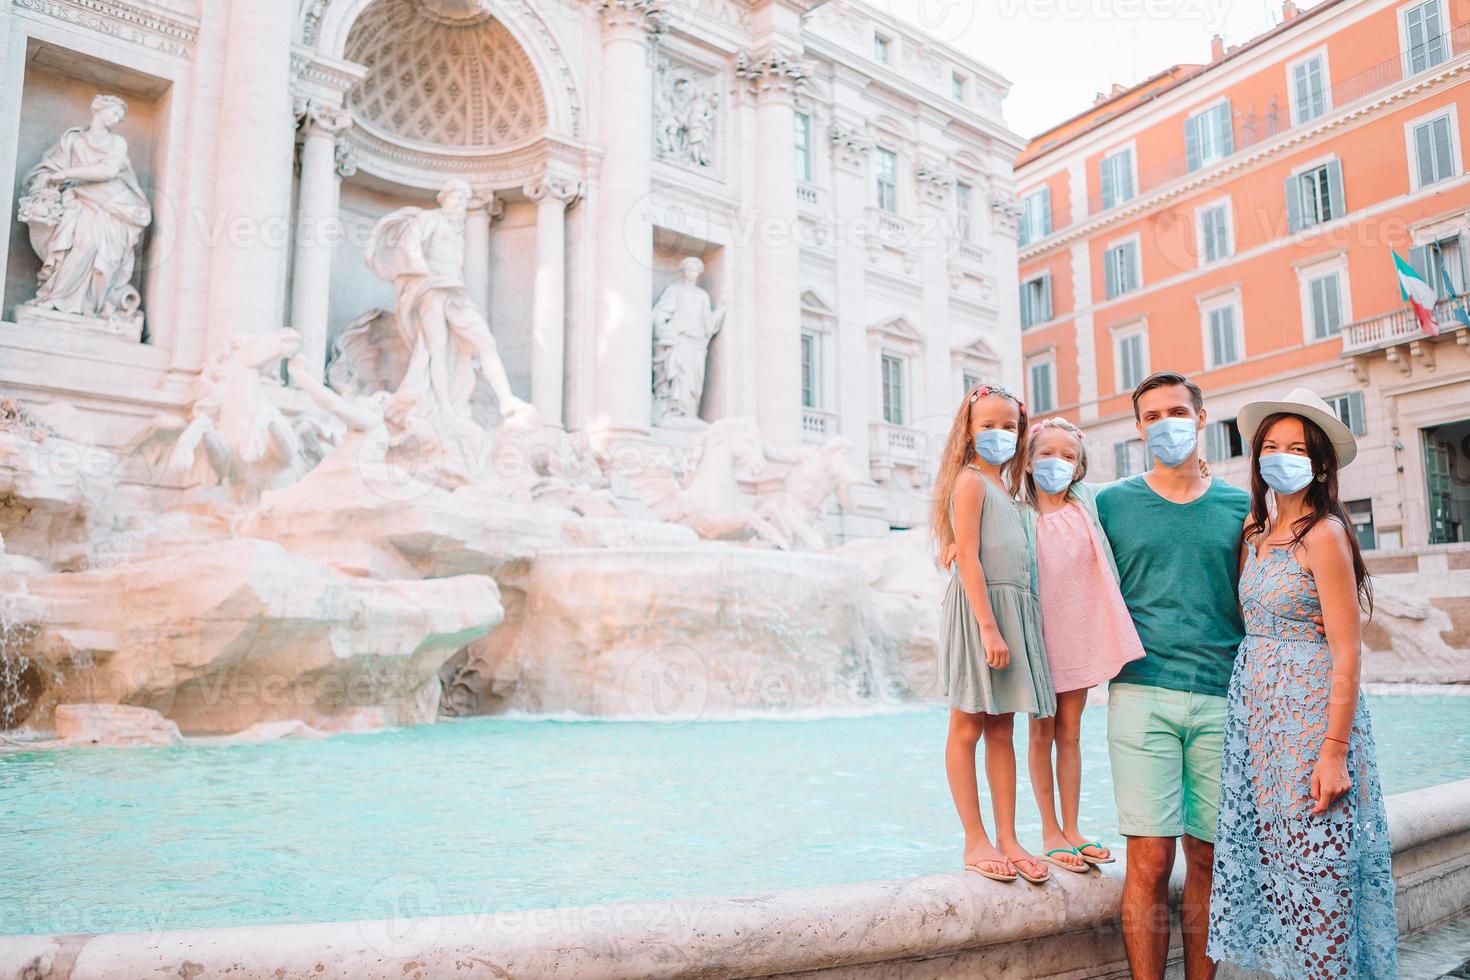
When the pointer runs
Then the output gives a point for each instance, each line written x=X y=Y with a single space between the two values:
x=317 y=118
x=555 y=186
x=632 y=15
x=771 y=70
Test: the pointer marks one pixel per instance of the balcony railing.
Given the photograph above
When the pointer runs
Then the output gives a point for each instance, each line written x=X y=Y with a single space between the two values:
x=896 y=444
x=817 y=425
x=1251 y=129
x=1399 y=327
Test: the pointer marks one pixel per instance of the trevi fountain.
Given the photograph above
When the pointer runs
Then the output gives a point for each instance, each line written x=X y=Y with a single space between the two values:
x=456 y=477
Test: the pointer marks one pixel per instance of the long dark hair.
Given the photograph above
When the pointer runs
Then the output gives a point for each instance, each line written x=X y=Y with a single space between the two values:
x=1321 y=499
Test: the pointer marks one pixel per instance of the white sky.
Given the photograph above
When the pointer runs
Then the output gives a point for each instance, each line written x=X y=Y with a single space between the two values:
x=1059 y=54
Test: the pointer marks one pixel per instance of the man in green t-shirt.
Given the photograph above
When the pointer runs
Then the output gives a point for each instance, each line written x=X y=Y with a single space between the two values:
x=1176 y=537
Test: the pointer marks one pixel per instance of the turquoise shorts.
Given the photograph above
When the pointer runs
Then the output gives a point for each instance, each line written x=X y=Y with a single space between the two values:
x=1165 y=750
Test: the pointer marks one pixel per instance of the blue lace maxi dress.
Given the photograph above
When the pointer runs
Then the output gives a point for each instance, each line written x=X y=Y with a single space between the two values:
x=1295 y=895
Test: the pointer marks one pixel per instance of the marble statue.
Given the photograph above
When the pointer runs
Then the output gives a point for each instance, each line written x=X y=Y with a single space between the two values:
x=86 y=215
x=710 y=501
x=421 y=252
x=813 y=477
x=684 y=321
x=684 y=118
x=236 y=419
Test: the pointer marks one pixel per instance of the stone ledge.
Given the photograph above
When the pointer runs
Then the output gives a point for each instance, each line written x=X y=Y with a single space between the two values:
x=935 y=926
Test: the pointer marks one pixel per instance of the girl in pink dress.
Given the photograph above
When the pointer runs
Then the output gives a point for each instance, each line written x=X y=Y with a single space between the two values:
x=1085 y=627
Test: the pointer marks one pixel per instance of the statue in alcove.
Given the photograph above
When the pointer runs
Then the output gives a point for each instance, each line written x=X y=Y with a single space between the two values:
x=684 y=322
x=86 y=215
x=421 y=252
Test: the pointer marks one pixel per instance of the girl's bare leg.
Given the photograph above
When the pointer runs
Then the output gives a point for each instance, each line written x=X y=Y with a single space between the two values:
x=1038 y=761
x=1069 y=767
x=1000 y=773
x=965 y=730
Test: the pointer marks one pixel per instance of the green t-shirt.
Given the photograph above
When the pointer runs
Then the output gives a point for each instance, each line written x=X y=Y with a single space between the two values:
x=1178 y=567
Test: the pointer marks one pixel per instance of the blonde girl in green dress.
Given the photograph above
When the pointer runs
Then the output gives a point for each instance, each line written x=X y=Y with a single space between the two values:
x=992 y=662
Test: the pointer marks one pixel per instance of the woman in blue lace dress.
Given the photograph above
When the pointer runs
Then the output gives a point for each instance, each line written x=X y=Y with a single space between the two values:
x=1303 y=884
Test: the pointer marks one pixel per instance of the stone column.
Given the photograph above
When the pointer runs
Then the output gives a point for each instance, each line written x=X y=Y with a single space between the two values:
x=774 y=75
x=251 y=210
x=318 y=227
x=549 y=321
x=477 y=250
x=624 y=344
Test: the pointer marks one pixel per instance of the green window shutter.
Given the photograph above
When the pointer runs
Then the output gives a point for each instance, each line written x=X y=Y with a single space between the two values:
x=1294 y=203
x=1131 y=271
x=1124 y=177
x=1357 y=418
x=1045 y=211
x=1335 y=189
x=1191 y=142
x=1225 y=129
x=1419 y=258
x=1026 y=316
x=1110 y=272
x=1105 y=173
x=1444 y=154
x=1046 y=311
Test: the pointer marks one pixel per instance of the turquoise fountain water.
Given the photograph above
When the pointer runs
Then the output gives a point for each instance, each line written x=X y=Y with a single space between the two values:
x=494 y=815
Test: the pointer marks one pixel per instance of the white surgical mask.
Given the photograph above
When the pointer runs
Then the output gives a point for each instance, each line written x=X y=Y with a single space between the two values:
x=1172 y=440
x=995 y=446
x=1053 y=475
x=1285 y=472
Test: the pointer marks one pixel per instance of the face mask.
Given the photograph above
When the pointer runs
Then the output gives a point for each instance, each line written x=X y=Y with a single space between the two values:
x=1172 y=440
x=1285 y=472
x=1053 y=475
x=995 y=446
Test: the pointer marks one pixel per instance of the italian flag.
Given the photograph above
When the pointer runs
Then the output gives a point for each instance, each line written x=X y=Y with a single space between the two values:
x=1418 y=294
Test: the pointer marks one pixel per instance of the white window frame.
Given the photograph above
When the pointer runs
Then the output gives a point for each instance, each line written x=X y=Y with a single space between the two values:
x=881 y=153
x=1046 y=359
x=1291 y=66
x=1137 y=240
x=1316 y=269
x=882 y=48
x=904 y=366
x=1049 y=291
x=1039 y=234
x=1318 y=164
x=1357 y=393
x=1189 y=120
x=1403 y=23
x=1131 y=149
x=964 y=210
x=1228 y=203
x=1228 y=299
x=1457 y=160
x=806 y=161
x=1120 y=333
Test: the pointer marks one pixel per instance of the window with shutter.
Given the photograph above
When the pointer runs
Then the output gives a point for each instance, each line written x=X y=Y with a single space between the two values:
x=1116 y=173
x=1035 y=216
x=1326 y=301
x=892 y=389
x=1349 y=408
x=1209 y=137
x=1223 y=346
x=1042 y=396
x=1427 y=44
x=1036 y=300
x=1315 y=196
x=1130 y=361
x=1309 y=90
x=1120 y=269
x=1434 y=154
x=1214 y=233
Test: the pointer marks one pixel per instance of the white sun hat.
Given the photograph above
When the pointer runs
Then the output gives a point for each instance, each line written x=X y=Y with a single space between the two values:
x=1309 y=405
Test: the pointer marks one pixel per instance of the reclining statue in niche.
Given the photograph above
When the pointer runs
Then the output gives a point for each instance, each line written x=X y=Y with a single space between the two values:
x=86 y=215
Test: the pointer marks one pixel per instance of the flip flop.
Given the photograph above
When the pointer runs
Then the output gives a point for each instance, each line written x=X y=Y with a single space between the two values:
x=993 y=876
x=1034 y=879
x=1095 y=860
x=1062 y=864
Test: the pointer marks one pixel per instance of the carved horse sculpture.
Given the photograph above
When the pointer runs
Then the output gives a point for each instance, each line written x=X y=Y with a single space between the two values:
x=709 y=500
x=814 y=476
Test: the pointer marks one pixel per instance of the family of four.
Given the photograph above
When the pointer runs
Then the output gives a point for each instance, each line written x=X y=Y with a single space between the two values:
x=1227 y=625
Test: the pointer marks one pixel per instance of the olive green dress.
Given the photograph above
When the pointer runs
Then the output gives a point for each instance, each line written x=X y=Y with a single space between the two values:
x=1024 y=685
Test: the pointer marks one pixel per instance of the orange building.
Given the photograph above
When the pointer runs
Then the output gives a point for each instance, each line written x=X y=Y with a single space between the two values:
x=1234 y=221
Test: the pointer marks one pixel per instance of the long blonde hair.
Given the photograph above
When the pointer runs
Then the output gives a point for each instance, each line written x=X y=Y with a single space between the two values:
x=959 y=452
x=1029 y=493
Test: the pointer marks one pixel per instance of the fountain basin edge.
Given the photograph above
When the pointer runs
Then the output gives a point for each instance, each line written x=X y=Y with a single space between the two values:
x=944 y=925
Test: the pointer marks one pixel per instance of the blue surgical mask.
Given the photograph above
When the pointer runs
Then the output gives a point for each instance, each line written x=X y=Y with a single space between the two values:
x=1053 y=475
x=1285 y=472
x=995 y=446
x=1172 y=440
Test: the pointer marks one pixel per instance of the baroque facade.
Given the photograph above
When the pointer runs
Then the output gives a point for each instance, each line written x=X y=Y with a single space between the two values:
x=843 y=180
x=1237 y=222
